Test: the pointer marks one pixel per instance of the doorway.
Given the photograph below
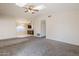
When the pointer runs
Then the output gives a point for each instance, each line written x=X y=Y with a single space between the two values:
x=43 y=28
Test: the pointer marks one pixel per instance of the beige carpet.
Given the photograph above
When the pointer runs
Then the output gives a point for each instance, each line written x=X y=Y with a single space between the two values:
x=33 y=46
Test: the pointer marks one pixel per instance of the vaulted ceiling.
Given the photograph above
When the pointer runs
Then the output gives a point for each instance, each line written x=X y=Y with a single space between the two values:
x=12 y=9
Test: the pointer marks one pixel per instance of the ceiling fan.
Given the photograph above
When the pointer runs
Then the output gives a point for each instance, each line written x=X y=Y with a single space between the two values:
x=31 y=8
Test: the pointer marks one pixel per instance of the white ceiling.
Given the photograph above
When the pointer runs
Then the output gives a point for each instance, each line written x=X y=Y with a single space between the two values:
x=12 y=9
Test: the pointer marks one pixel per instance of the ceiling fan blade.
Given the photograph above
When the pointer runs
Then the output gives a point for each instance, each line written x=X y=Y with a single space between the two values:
x=35 y=10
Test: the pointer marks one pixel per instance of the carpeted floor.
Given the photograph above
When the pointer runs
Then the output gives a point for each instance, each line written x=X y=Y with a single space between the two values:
x=33 y=46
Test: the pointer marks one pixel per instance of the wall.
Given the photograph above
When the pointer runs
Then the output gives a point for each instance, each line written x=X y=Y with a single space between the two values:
x=7 y=28
x=63 y=26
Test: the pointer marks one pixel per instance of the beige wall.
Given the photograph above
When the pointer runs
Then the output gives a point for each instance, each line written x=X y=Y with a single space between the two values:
x=7 y=28
x=64 y=26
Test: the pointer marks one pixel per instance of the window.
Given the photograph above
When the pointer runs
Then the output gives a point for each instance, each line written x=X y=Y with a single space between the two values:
x=20 y=28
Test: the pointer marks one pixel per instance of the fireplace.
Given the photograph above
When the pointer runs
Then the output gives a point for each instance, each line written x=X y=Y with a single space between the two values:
x=30 y=32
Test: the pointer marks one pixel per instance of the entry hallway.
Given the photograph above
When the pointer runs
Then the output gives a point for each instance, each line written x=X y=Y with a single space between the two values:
x=33 y=46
